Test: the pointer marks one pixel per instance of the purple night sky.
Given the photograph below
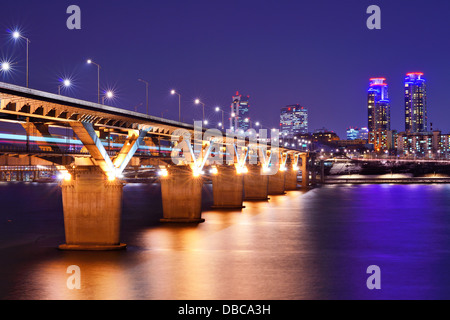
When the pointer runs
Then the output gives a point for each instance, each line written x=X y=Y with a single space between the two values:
x=319 y=54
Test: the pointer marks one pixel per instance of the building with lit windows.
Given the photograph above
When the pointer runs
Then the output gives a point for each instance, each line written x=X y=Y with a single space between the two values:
x=358 y=134
x=379 y=113
x=294 y=120
x=240 y=113
x=416 y=116
x=379 y=110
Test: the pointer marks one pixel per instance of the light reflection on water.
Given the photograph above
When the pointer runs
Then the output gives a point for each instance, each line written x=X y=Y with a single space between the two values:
x=313 y=245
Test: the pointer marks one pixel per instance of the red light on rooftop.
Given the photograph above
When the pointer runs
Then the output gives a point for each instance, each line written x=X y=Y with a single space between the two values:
x=415 y=74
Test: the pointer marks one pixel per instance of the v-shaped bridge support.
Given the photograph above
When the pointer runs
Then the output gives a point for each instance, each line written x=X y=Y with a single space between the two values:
x=87 y=135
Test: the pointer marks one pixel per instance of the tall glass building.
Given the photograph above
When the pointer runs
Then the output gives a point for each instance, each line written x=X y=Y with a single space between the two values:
x=294 y=120
x=379 y=109
x=416 y=117
x=240 y=111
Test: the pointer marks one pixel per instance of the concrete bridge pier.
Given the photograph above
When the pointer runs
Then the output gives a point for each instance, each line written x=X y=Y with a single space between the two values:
x=291 y=179
x=256 y=184
x=92 y=207
x=305 y=171
x=228 y=188
x=277 y=182
x=181 y=196
x=322 y=172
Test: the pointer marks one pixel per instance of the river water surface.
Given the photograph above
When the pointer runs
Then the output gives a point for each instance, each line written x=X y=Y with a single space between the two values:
x=304 y=245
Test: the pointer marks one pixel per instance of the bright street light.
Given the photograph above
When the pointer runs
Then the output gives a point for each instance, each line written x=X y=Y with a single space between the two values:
x=16 y=35
x=108 y=95
x=173 y=92
x=5 y=66
x=98 y=77
x=197 y=101
x=65 y=83
x=223 y=117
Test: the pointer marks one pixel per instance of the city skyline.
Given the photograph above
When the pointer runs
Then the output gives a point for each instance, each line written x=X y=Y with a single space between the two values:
x=197 y=61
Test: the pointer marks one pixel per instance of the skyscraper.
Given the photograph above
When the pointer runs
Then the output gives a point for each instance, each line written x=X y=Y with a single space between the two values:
x=379 y=110
x=294 y=120
x=416 y=117
x=379 y=113
x=240 y=113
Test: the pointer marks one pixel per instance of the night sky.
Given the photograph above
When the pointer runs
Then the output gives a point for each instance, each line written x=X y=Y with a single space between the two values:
x=319 y=54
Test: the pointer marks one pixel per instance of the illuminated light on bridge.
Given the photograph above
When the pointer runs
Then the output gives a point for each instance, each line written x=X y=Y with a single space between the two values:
x=197 y=172
x=214 y=171
x=241 y=170
x=163 y=173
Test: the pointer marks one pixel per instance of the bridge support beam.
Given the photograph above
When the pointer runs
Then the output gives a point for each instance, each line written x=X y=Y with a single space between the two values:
x=228 y=188
x=305 y=171
x=322 y=172
x=256 y=185
x=313 y=170
x=277 y=183
x=92 y=211
x=181 y=196
x=291 y=179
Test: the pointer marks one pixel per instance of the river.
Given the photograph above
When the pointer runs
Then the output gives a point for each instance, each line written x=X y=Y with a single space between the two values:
x=304 y=245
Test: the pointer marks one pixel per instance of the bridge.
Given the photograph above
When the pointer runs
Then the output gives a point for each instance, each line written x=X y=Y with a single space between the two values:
x=101 y=143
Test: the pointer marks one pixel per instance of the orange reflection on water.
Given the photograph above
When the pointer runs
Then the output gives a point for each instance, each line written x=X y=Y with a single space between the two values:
x=261 y=252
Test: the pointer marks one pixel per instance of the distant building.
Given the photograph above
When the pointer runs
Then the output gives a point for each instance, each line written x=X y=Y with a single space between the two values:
x=358 y=134
x=379 y=113
x=363 y=134
x=379 y=110
x=324 y=136
x=352 y=133
x=294 y=120
x=240 y=113
x=416 y=116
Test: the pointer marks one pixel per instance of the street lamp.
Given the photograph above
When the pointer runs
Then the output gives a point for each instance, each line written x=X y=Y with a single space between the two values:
x=197 y=101
x=5 y=66
x=16 y=35
x=108 y=95
x=173 y=92
x=98 y=77
x=65 y=83
x=146 y=92
x=223 y=117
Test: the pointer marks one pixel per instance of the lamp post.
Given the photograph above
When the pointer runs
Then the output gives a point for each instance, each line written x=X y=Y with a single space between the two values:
x=146 y=92
x=98 y=77
x=65 y=83
x=223 y=116
x=173 y=92
x=16 y=35
x=199 y=102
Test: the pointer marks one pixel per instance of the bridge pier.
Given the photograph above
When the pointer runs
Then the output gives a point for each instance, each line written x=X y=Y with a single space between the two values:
x=92 y=211
x=277 y=183
x=291 y=179
x=305 y=171
x=228 y=188
x=322 y=172
x=181 y=196
x=256 y=185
